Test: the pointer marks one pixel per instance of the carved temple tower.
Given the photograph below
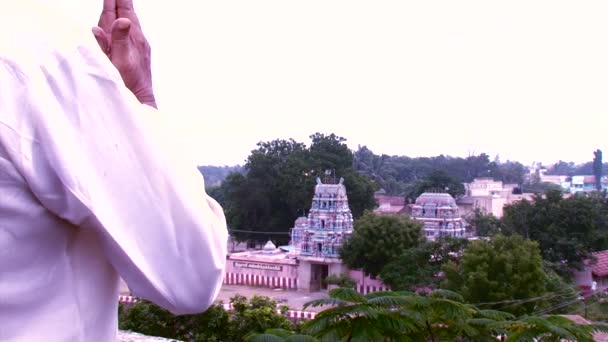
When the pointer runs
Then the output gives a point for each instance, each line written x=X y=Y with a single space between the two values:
x=318 y=237
x=439 y=214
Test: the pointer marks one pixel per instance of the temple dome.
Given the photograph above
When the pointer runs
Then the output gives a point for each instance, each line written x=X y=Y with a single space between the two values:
x=269 y=247
x=438 y=199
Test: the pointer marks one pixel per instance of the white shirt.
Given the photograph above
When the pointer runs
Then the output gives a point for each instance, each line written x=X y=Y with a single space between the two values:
x=92 y=187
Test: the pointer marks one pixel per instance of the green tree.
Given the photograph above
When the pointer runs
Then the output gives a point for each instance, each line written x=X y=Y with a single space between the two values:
x=562 y=168
x=597 y=169
x=503 y=269
x=567 y=230
x=484 y=224
x=149 y=319
x=402 y=316
x=330 y=152
x=438 y=181
x=278 y=183
x=355 y=317
x=418 y=267
x=215 y=175
x=378 y=240
x=256 y=315
x=279 y=335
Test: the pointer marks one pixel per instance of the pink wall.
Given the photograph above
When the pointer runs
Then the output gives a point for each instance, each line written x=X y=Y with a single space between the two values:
x=249 y=271
x=366 y=284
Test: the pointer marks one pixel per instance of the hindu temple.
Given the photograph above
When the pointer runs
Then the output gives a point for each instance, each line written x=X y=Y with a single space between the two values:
x=313 y=253
x=439 y=214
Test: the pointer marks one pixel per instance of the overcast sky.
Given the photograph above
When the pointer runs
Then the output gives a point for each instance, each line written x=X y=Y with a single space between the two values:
x=527 y=80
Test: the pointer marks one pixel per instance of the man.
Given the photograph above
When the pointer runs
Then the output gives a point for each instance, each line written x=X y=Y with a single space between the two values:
x=92 y=185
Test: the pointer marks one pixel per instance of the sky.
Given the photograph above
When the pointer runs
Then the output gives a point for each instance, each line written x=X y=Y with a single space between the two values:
x=525 y=80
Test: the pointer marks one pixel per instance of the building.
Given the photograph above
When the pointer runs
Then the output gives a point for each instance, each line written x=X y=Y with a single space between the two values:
x=389 y=205
x=318 y=237
x=313 y=253
x=594 y=276
x=489 y=196
x=586 y=184
x=439 y=214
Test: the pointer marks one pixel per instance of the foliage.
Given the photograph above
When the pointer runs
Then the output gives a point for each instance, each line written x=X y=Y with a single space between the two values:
x=562 y=168
x=484 y=224
x=398 y=175
x=503 y=269
x=438 y=181
x=342 y=280
x=279 y=183
x=279 y=335
x=350 y=316
x=215 y=175
x=418 y=267
x=249 y=316
x=379 y=239
x=551 y=328
x=440 y=316
x=257 y=315
x=150 y=319
x=597 y=169
x=538 y=187
x=567 y=230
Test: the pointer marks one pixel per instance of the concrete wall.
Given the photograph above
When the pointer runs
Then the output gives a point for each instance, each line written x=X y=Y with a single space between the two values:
x=366 y=284
x=304 y=274
x=256 y=273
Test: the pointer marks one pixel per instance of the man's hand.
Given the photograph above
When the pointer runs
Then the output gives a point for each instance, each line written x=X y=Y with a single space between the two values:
x=120 y=36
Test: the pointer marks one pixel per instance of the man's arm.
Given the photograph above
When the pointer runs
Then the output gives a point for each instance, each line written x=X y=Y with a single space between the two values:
x=93 y=155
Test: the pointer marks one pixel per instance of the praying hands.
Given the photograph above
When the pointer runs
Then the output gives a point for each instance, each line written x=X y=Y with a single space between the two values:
x=121 y=38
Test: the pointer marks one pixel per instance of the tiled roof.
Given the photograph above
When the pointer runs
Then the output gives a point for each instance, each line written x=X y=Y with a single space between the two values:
x=600 y=266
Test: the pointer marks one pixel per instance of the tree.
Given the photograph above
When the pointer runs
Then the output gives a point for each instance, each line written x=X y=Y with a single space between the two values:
x=330 y=152
x=484 y=224
x=279 y=181
x=597 y=169
x=256 y=315
x=438 y=180
x=503 y=269
x=440 y=316
x=418 y=267
x=539 y=187
x=509 y=172
x=249 y=316
x=360 y=192
x=215 y=175
x=147 y=318
x=356 y=317
x=567 y=230
x=562 y=168
x=279 y=335
x=378 y=240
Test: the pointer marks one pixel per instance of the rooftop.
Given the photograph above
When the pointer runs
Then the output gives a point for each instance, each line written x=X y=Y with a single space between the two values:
x=439 y=199
x=600 y=267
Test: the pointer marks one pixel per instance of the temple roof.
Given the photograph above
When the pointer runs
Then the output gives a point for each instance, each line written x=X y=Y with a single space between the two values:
x=269 y=246
x=439 y=199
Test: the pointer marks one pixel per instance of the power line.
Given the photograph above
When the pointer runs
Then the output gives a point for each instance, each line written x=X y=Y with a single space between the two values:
x=524 y=300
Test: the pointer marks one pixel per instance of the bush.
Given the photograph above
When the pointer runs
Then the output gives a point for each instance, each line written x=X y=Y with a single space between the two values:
x=342 y=280
x=254 y=315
